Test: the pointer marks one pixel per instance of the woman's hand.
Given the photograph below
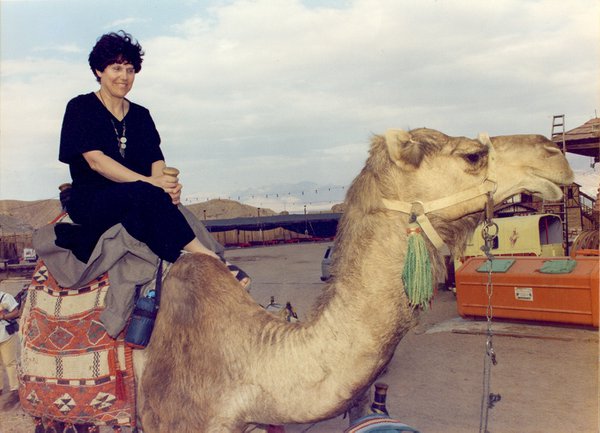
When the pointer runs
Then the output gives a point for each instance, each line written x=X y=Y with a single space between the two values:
x=176 y=194
x=168 y=182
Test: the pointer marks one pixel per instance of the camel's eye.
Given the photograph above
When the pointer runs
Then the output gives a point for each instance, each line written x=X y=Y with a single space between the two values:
x=473 y=158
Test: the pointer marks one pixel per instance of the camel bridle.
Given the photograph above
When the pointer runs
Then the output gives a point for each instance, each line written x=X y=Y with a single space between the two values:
x=418 y=210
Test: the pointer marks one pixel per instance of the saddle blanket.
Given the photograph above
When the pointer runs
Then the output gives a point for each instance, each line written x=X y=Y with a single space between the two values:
x=71 y=370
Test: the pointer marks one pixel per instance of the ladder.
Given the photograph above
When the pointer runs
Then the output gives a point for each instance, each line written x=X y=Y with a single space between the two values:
x=558 y=131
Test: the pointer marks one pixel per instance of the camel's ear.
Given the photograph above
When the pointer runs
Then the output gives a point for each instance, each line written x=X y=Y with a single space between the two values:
x=484 y=138
x=402 y=149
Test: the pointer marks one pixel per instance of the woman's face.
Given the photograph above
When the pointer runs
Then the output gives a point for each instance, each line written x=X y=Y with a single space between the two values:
x=117 y=79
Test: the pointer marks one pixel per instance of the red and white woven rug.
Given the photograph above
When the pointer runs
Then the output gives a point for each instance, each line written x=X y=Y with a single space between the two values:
x=71 y=369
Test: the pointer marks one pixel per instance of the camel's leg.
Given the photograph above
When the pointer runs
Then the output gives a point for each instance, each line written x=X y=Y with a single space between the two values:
x=52 y=427
x=70 y=428
x=359 y=408
x=39 y=425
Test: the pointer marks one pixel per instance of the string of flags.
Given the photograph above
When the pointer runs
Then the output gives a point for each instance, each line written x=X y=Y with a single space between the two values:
x=298 y=195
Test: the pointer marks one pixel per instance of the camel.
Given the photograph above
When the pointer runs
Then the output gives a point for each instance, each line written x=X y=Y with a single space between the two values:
x=218 y=362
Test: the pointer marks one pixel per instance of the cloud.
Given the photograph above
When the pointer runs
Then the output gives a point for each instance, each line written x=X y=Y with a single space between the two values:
x=125 y=22
x=589 y=181
x=249 y=93
x=65 y=48
x=34 y=94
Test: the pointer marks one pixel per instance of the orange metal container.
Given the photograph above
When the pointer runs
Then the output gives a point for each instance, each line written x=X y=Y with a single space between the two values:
x=523 y=292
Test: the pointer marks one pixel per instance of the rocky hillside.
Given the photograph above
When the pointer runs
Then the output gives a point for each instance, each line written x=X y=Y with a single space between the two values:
x=11 y=225
x=224 y=209
x=25 y=216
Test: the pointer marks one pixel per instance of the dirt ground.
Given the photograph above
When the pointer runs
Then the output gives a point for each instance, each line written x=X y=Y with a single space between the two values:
x=547 y=375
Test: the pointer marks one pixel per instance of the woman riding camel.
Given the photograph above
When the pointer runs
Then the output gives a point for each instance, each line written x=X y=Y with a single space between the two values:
x=113 y=151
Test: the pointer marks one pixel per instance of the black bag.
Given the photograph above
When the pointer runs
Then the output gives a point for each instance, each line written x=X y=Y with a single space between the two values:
x=141 y=324
x=12 y=327
x=140 y=327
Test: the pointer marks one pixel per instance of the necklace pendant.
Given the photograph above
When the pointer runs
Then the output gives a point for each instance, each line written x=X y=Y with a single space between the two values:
x=122 y=146
x=121 y=140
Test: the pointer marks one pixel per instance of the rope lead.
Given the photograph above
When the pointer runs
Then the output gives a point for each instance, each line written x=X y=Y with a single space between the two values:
x=488 y=399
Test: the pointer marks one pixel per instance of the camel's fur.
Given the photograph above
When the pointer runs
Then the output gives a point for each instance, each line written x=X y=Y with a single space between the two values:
x=218 y=362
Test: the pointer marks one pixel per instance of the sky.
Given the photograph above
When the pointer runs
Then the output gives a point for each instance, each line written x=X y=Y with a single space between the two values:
x=274 y=102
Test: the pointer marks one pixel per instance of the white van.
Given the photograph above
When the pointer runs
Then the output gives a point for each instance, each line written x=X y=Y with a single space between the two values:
x=326 y=264
x=29 y=255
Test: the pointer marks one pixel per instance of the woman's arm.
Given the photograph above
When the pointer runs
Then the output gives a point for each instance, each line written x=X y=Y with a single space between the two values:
x=157 y=167
x=11 y=315
x=112 y=170
x=9 y=310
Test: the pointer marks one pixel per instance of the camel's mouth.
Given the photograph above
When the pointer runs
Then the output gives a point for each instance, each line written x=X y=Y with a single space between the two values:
x=547 y=185
x=546 y=189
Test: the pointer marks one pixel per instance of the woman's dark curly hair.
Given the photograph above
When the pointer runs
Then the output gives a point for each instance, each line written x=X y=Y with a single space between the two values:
x=115 y=48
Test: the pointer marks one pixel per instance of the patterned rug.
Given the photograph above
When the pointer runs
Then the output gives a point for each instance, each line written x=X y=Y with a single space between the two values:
x=71 y=369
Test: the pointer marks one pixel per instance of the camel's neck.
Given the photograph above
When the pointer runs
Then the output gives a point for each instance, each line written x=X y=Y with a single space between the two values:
x=364 y=310
x=367 y=267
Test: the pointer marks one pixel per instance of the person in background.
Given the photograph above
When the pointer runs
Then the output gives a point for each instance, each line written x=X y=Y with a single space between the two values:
x=112 y=147
x=9 y=343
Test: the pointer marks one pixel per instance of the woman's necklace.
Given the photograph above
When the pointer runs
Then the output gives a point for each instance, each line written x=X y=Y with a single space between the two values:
x=121 y=138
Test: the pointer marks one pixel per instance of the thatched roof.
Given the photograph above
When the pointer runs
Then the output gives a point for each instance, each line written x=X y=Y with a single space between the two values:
x=583 y=140
x=320 y=225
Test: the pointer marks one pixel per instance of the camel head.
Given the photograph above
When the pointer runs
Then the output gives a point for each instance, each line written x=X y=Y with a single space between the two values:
x=450 y=176
x=530 y=163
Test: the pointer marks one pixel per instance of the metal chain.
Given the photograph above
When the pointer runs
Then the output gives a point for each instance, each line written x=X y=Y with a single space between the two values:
x=489 y=233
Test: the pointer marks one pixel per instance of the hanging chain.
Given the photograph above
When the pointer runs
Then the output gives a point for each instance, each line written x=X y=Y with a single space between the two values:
x=489 y=233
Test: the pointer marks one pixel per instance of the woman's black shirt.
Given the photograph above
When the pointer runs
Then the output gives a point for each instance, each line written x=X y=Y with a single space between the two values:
x=88 y=125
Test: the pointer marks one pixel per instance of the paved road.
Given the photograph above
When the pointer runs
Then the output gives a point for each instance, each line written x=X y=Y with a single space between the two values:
x=547 y=375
